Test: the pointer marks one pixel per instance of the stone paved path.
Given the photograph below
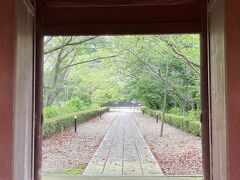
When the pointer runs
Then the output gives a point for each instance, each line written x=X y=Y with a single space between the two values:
x=123 y=151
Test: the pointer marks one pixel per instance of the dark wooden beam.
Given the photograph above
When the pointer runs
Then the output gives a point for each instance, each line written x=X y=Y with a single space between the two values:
x=122 y=29
x=182 y=14
x=87 y=17
x=111 y=3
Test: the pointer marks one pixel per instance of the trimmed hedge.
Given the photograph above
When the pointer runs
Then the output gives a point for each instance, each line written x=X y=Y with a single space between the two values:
x=57 y=124
x=190 y=125
x=195 y=128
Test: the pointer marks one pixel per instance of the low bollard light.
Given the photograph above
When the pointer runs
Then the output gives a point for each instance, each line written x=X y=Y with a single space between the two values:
x=157 y=117
x=100 y=113
x=143 y=111
x=75 y=122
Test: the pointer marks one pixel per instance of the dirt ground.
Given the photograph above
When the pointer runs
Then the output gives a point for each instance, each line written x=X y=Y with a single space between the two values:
x=68 y=150
x=177 y=152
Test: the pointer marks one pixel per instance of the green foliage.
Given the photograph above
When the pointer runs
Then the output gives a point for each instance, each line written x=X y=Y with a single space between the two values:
x=50 y=112
x=145 y=69
x=195 y=128
x=194 y=114
x=150 y=92
x=60 y=123
x=190 y=125
x=74 y=105
x=95 y=85
x=93 y=106
x=78 y=171
x=176 y=111
x=135 y=71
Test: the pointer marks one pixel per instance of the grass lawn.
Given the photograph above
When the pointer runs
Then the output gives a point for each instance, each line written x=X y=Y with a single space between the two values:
x=78 y=171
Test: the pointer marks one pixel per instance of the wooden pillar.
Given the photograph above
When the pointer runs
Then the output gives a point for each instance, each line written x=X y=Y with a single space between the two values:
x=7 y=33
x=39 y=97
x=225 y=88
x=204 y=93
x=24 y=90
x=232 y=28
x=16 y=89
x=38 y=109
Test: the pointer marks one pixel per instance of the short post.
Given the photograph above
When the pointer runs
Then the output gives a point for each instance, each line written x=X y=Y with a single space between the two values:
x=100 y=113
x=75 y=122
x=157 y=117
x=143 y=111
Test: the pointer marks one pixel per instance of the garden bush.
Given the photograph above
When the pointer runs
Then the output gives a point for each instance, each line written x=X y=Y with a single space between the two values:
x=50 y=112
x=74 y=105
x=194 y=114
x=57 y=124
x=176 y=111
x=195 y=128
x=190 y=125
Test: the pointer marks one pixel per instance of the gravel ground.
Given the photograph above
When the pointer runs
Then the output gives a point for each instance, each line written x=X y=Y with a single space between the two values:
x=177 y=152
x=68 y=150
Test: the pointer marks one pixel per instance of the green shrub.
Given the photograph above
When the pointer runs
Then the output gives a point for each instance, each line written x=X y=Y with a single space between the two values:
x=94 y=106
x=57 y=124
x=190 y=125
x=50 y=112
x=74 y=105
x=194 y=114
x=168 y=119
x=176 y=111
x=195 y=128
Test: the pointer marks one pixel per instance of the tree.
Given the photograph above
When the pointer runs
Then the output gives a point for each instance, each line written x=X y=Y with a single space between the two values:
x=147 y=55
x=165 y=94
x=161 y=71
x=61 y=54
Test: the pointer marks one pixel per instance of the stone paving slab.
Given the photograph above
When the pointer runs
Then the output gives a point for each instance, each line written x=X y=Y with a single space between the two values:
x=123 y=151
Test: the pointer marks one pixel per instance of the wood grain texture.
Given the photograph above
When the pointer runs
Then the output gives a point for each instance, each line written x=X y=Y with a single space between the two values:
x=122 y=178
x=120 y=15
x=218 y=92
x=121 y=20
x=110 y=3
x=121 y=29
x=38 y=95
x=7 y=21
x=82 y=17
x=204 y=92
x=233 y=86
x=23 y=123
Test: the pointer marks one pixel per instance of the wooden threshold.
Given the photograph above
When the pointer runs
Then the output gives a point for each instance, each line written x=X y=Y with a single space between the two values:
x=56 y=177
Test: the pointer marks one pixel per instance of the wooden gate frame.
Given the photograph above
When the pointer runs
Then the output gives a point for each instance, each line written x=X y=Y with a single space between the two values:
x=49 y=12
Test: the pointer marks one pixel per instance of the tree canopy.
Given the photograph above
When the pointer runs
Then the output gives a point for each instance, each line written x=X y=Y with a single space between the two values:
x=97 y=70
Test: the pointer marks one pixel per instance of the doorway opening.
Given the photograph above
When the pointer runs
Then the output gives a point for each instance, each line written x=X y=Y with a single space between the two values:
x=155 y=77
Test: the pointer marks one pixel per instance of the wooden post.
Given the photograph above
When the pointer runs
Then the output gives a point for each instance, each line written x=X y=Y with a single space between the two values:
x=38 y=98
x=204 y=93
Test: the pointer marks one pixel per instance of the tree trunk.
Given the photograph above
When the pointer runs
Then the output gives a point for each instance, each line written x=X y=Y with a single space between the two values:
x=184 y=110
x=193 y=103
x=165 y=95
